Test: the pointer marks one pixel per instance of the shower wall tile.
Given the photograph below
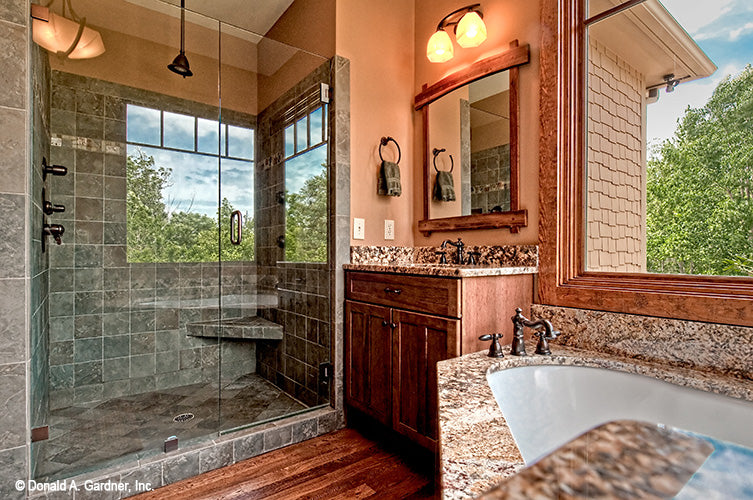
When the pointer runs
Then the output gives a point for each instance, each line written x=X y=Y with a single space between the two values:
x=13 y=76
x=12 y=321
x=12 y=235
x=14 y=464
x=12 y=405
x=12 y=150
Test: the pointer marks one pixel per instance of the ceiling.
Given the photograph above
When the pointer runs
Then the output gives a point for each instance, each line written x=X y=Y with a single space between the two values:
x=257 y=16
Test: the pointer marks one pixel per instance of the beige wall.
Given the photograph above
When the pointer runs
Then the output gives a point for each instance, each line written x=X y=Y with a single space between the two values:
x=505 y=22
x=386 y=44
x=616 y=174
x=377 y=38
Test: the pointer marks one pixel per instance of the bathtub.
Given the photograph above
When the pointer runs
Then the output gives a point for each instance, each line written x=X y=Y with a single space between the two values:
x=546 y=406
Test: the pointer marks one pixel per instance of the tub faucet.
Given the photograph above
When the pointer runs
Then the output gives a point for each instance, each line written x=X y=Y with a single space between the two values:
x=460 y=246
x=519 y=322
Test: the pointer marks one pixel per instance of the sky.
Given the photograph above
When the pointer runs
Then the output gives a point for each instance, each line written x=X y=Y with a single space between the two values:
x=723 y=29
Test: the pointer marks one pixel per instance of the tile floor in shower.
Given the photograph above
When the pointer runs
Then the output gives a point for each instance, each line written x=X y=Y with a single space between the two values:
x=94 y=435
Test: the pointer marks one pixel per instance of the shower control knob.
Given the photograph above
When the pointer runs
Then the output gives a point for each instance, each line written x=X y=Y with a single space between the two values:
x=50 y=208
x=54 y=230
x=52 y=169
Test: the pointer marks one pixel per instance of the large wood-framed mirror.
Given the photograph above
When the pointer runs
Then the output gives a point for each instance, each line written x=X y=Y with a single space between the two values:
x=470 y=127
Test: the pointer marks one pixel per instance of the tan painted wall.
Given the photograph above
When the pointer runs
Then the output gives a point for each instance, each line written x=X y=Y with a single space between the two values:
x=377 y=38
x=616 y=173
x=142 y=64
x=308 y=25
x=505 y=21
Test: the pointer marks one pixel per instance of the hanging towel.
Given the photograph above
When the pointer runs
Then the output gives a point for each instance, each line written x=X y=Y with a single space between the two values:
x=444 y=187
x=389 y=179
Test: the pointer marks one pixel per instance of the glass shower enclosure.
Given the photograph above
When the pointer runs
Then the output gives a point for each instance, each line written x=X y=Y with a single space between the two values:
x=190 y=294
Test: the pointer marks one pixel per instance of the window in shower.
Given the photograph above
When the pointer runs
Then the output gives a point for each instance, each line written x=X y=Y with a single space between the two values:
x=173 y=168
x=306 y=186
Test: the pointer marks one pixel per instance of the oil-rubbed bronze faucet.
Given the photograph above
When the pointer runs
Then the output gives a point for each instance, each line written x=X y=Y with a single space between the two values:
x=519 y=322
x=460 y=246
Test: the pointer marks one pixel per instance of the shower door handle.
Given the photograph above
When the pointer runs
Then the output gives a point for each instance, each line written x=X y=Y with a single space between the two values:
x=236 y=227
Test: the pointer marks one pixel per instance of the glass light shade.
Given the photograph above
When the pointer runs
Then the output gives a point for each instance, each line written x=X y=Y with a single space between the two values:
x=58 y=34
x=471 y=30
x=440 y=49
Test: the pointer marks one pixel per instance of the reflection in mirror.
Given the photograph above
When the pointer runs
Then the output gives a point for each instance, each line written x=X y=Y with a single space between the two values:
x=472 y=116
x=473 y=124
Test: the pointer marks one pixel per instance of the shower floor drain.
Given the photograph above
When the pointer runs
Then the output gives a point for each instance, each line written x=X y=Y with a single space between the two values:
x=183 y=417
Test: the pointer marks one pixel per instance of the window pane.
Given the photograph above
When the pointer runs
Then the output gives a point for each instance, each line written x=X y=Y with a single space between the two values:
x=240 y=142
x=301 y=141
x=289 y=141
x=172 y=206
x=179 y=131
x=316 y=126
x=142 y=125
x=669 y=142
x=208 y=139
x=306 y=207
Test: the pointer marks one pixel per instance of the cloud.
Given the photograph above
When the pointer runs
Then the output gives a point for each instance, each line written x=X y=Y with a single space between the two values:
x=694 y=15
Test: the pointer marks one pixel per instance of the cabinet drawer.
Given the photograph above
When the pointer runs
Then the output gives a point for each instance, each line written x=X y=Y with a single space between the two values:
x=417 y=293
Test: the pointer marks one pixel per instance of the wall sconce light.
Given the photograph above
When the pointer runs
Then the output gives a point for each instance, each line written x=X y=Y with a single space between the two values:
x=470 y=31
x=65 y=37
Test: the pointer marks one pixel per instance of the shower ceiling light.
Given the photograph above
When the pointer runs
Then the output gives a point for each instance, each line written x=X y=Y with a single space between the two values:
x=180 y=63
x=470 y=31
x=65 y=37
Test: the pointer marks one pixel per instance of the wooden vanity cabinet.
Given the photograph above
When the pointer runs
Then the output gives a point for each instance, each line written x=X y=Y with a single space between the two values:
x=399 y=326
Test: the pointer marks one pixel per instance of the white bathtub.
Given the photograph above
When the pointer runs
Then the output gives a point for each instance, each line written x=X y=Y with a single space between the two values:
x=546 y=406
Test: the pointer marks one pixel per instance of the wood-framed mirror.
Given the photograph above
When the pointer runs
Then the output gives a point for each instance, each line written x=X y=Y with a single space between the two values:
x=470 y=129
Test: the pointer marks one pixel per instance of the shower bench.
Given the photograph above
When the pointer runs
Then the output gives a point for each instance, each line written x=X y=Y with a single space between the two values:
x=246 y=328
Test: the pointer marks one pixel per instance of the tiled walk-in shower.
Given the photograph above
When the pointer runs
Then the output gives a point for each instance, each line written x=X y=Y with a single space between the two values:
x=162 y=323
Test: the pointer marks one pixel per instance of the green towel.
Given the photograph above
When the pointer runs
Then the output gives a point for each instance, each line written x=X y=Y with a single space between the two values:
x=389 y=179
x=444 y=187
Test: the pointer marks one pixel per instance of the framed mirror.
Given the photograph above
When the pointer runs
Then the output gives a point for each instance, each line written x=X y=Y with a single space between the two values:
x=470 y=133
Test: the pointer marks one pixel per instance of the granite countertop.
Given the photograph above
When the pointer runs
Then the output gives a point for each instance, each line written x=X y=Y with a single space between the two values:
x=641 y=460
x=477 y=450
x=447 y=270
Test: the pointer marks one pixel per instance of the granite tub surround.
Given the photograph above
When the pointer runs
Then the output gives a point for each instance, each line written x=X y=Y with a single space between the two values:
x=722 y=349
x=477 y=450
x=493 y=260
x=621 y=459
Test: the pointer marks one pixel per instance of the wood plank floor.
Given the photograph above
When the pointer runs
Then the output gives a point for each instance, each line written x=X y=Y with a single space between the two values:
x=342 y=465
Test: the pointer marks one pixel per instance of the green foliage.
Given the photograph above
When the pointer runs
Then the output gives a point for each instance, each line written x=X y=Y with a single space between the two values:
x=700 y=188
x=156 y=235
x=306 y=221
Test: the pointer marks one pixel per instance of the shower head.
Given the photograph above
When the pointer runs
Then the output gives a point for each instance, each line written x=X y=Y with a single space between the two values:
x=180 y=65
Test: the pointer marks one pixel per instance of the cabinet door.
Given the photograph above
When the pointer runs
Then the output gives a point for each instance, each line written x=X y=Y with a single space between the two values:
x=368 y=359
x=419 y=342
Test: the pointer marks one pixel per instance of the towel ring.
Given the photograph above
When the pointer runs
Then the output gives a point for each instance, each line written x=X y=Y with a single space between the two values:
x=436 y=152
x=384 y=142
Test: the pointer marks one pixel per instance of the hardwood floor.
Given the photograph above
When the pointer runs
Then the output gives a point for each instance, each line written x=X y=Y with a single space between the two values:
x=343 y=465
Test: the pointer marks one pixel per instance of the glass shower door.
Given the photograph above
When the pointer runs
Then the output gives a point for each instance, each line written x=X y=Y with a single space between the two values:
x=137 y=275
x=274 y=312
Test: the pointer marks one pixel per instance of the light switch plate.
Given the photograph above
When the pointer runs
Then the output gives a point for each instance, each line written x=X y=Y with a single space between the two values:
x=359 y=228
x=389 y=229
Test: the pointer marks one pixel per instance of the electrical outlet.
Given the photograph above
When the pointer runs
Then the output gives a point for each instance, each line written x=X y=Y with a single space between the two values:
x=389 y=229
x=359 y=228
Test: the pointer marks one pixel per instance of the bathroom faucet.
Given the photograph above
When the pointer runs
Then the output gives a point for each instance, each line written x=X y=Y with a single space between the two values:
x=459 y=259
x=519 y=322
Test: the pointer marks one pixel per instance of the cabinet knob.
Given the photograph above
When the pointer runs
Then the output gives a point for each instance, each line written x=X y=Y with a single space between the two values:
x=387 y=323
x=396 y=291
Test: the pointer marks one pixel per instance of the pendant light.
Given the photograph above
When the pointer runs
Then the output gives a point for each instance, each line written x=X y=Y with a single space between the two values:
x=180 y=63
x=63 y=36
x=470 y=31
